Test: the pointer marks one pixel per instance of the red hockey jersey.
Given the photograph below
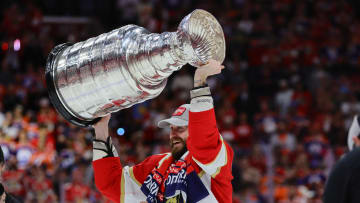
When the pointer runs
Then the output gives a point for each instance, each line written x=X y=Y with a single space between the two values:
x=210 y=156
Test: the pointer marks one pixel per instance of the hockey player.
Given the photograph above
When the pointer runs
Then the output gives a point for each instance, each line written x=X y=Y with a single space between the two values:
x=198 y=168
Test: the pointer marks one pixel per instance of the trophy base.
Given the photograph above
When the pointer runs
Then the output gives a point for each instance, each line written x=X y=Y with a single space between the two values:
x=53 y=96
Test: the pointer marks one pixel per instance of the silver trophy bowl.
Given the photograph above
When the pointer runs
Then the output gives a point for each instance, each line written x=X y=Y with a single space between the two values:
x=126 y=66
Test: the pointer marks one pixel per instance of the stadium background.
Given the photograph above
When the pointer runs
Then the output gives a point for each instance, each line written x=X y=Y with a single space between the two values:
x=284 y=101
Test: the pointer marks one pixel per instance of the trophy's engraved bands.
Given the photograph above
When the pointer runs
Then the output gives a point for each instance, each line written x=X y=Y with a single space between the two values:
x=125 y=66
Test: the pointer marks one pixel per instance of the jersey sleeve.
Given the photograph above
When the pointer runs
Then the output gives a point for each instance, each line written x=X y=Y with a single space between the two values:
x=116 y=182
x=108 y=174
x=205 y=143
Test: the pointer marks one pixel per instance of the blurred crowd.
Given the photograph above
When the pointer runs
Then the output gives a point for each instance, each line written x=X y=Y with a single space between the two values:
x=284 y=102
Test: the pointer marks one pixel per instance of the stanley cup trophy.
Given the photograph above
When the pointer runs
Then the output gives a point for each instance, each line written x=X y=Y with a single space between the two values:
x=126 y=66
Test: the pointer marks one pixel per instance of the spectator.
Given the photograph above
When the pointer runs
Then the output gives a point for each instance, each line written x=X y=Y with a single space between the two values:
x=283 y=97
x=4 y=197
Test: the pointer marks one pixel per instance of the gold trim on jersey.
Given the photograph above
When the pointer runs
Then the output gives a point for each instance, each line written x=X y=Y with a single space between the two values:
x=131 y=172
x=122 y=188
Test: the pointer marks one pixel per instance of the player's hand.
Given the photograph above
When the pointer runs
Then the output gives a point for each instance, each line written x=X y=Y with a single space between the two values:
x=203 y=72
x=102 y=128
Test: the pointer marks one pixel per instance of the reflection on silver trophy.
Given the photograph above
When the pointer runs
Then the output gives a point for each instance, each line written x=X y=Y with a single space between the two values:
x=129 y=65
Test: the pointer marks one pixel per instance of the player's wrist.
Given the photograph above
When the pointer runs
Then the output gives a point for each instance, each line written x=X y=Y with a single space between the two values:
x=102 y=149
x=101 y=134
x=199 y=79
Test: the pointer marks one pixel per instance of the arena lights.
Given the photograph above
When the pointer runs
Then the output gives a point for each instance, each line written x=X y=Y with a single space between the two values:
x=120 y=131
x=4 y=46
x=17 y=45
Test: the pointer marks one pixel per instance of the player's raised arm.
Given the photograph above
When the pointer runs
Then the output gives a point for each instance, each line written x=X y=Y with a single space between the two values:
x=106 y=163
x=118 y=183
x=205 y=143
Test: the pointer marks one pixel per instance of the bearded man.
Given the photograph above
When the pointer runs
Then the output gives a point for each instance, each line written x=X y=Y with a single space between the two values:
x=198 y=168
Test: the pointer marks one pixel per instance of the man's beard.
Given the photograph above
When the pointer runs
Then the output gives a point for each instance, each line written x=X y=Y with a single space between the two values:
x=177 y=152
